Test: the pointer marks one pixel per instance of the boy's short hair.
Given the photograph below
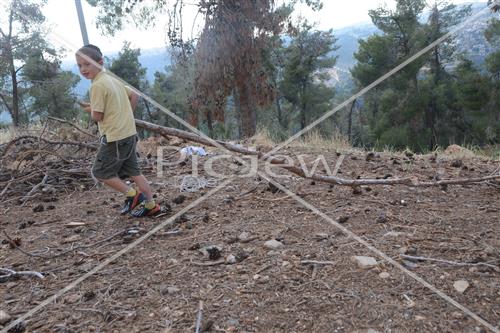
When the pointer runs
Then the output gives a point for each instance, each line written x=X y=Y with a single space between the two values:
x=91 y=51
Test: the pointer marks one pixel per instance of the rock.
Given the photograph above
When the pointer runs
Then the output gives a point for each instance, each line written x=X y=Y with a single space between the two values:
x=384 y=275
x=461 y=286
x=394 y=234
x=411 y=250
x=365 y=262
x=180 y=199
x=409 y=264
x=74 y=224
x=72 y=299
x=243 y=236
x=231 y=259
x=381 y=218
x=457 y=315
x=4 y=317
x=213 y=252
x=273 y=244
x=419 y=318
x=320 y=236
x=71 y=239
x=172 y=290
x=343 y=219
x=38 y=208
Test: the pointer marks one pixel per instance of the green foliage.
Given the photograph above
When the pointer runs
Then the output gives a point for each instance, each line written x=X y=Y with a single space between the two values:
x=426 y=104
x=307 y=59
x=31 y=80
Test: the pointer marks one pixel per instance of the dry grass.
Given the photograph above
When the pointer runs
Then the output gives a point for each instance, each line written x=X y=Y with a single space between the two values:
x=313 y=139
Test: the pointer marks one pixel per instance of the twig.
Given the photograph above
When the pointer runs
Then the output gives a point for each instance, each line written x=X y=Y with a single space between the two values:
x=210 y=263
x=263 y=269
x=34 y=189
x=199 y=317
x=13 y=274
x=314 y=262
x=71 y=124
x=64 y=252
x=448 y=261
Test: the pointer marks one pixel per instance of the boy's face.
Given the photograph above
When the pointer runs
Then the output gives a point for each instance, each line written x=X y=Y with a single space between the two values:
x=87 y=69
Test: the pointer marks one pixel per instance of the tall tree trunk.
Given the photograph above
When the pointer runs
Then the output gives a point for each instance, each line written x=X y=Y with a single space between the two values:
x=210 y=124
x=15 y=95
x=248 y=114
x=349 y=128
x=237 y=109
x=303 y=106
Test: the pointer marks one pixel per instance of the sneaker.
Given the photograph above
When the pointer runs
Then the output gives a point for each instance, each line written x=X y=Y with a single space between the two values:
x=142 y=211
x=132 y=202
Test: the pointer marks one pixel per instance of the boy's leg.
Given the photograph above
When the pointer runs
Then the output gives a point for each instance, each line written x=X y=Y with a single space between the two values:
x=149 y=206
x=116 y=184
x=143 y=185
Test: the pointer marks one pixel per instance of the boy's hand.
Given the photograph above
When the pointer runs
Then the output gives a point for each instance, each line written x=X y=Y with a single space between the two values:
x=85 y=106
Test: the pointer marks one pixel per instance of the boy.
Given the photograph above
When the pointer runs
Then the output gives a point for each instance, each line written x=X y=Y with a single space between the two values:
x=111 y=105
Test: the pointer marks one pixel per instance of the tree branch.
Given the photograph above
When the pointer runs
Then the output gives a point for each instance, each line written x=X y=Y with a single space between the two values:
x=409 y=181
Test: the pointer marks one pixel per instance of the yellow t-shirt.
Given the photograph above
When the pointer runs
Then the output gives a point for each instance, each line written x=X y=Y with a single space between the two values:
x=110 y=96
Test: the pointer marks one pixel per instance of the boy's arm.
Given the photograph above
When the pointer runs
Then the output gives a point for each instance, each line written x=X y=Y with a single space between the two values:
x=96 y=116
x=133 y=98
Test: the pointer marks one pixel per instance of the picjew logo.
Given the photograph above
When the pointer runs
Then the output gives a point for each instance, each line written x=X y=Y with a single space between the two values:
x=222 y=166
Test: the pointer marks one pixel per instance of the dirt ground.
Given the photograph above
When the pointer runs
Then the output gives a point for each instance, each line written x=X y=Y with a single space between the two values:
x=245 y=286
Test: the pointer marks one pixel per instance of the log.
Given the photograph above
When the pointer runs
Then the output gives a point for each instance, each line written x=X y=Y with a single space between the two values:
x=409 y=181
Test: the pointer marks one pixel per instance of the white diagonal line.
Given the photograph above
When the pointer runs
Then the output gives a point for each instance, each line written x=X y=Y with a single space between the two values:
x=380 y=253
x=376 y=82
x=115 y=256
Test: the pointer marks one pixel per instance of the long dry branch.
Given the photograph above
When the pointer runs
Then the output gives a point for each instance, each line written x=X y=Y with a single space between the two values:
x=409 y=181
x=69 y=143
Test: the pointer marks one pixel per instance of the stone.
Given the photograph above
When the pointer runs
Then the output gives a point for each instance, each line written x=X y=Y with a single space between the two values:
x=172 y=290
x=409 y=264
x=231 y=259
x=384 y=275
x=394 y=234
x=321 y=236
x=273 y=244
x=461 y=286
x=4 y=317
x=365 y=262
x=72 y=299
x=71 y=239
x=243 y=236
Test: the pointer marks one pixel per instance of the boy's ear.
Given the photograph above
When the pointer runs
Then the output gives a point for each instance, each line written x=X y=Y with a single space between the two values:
x=101 y=62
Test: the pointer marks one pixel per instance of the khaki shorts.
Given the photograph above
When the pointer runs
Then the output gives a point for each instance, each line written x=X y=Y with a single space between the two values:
x=116 y=159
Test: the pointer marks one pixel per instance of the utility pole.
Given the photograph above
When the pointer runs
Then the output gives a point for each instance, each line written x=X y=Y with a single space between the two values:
x=81 y=19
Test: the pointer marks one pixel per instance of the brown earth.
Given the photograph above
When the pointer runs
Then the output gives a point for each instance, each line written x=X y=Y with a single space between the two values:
x=157 y=286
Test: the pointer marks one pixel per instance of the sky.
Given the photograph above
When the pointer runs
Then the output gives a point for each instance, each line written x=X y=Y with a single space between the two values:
x=62 y=17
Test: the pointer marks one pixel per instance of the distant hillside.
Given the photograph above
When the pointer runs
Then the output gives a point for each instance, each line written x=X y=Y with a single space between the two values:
x=470 y=40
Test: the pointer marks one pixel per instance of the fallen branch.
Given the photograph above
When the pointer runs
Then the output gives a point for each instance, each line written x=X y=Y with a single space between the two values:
x=454 y=263
x=199 y=317
x=12 y=242
x=314 y=262
x=409 y=181
x=10 y=274
x=68 y=143
x=210 y=263
x=35 y=189
x=73 y=125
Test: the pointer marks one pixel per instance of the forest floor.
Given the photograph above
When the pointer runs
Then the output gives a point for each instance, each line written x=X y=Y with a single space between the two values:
x=247 y=286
